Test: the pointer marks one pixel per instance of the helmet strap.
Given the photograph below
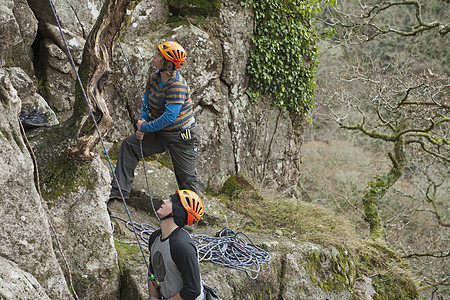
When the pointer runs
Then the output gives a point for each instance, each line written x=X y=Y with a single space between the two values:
x=167 y=217
x=168 y=67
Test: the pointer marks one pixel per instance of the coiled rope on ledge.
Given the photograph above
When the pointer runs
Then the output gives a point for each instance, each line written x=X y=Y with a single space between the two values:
x=227 y=248
x=233 y=250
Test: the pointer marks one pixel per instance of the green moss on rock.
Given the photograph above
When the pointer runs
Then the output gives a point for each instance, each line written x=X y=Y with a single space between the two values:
x=124 y=252
x=341 y=277
x=5 y=134
x=234 y=185
x=394 y=286
x=64 y=176
x=194 y=7
x=377 y=258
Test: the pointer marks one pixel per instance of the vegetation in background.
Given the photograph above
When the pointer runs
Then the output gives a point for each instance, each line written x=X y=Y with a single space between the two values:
x=268 y=212
x=283 y=60
x=389 y=82
x=403 y=104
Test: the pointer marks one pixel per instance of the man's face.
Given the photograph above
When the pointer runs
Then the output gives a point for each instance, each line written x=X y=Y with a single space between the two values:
x=165 y=208
x=158 y=60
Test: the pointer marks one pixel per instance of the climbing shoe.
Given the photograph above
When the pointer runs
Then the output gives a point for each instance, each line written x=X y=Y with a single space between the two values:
x=115 y=194
x=23 y=115
x=33 y=119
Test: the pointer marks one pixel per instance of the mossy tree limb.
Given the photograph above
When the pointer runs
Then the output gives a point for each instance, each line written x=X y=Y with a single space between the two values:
x=368 y=27
x=403 y=132
x=379 y=186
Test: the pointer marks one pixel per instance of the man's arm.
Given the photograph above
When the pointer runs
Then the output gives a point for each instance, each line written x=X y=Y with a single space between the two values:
x=170 y=114
x=153 y=292
x=176 y=297
x=184 y=254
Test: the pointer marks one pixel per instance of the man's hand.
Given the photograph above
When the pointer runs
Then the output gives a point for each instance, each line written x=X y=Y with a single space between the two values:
x=139 y=135
x=139 y=123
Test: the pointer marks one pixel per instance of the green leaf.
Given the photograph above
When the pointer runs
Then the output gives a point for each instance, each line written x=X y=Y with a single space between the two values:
x=284 y=38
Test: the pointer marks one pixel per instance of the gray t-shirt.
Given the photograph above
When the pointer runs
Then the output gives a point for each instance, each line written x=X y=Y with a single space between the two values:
x=174 y=261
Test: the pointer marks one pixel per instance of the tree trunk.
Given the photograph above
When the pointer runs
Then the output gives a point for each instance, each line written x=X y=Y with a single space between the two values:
x=96 y=72
x=58 y=147
x=379 y=186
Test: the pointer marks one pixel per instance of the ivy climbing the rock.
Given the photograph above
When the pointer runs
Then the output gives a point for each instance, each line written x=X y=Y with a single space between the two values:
x=283 y=61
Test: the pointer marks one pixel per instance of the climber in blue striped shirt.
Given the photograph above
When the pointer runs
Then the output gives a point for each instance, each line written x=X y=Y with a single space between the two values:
x=167 y=123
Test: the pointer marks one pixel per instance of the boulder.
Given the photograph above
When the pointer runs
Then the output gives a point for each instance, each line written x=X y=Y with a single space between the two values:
x=18 y=284
x=24 y=231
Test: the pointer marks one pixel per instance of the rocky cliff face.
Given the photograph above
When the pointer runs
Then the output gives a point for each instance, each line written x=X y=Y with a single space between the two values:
x=237 y=136
x=258 y=140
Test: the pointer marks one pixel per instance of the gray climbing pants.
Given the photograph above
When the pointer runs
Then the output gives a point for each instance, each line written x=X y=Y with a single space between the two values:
x=182 y=149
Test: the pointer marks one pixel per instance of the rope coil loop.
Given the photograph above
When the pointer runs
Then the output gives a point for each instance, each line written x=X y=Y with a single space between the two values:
x=227 y=248
x=232 y=250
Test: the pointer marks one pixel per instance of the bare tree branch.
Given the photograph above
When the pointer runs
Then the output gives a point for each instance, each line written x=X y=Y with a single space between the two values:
x=421 y=24
x=426 y=149
x=435 y=255
x=430 y=197
x=423 y=131
x=441 y=282
x=351 y=204
x=367 y=20
x=371 y=133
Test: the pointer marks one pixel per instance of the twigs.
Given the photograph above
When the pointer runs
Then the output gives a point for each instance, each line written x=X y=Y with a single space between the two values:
x=443 y=282
x=434 y=254
x=366 y=26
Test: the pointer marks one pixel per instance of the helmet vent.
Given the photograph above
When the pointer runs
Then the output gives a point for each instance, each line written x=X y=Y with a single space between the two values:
x=173 y=52
x=192 y=204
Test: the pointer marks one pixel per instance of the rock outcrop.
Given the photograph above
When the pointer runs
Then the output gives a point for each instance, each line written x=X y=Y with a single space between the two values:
x=25 y=236
x=238 y=137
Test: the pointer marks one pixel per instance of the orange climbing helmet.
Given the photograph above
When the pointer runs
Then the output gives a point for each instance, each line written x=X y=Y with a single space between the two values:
x=172 y=51
x=192 y=204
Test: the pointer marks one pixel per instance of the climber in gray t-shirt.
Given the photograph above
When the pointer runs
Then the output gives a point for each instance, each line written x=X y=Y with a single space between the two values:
x=173 y=254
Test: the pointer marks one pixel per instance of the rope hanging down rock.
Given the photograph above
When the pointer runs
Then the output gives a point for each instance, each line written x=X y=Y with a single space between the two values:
x=96 y=124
